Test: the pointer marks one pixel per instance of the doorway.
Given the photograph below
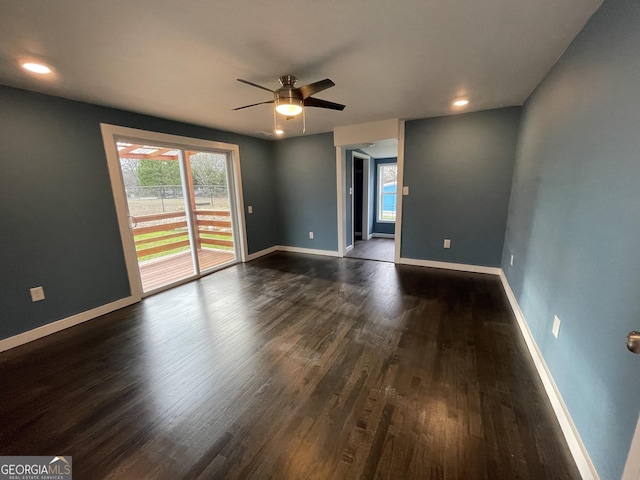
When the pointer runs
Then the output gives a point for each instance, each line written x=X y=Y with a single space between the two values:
x=364 y=136
x=181 y=201
x=363 y=212
x=371 y=203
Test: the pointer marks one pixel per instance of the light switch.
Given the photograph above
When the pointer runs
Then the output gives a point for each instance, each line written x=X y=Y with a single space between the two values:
x=405 y=190
x=250 y=209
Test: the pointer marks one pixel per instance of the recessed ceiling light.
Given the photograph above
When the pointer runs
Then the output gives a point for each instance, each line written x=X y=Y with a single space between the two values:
x=461 y=102
x=36 y=68
x=278 y=131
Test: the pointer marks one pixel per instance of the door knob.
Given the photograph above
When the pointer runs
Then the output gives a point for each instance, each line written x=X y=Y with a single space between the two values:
x=633 y=342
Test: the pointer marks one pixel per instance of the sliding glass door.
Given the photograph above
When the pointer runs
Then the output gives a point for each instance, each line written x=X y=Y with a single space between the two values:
x=180 y=207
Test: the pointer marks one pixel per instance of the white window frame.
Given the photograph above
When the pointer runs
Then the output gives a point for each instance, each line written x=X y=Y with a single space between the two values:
x=381 y=193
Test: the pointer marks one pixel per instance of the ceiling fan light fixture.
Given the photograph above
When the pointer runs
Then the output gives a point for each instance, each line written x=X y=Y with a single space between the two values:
x=288 y=106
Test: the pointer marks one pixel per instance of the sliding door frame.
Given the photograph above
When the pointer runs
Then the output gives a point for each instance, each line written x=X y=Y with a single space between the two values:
x=112 y=133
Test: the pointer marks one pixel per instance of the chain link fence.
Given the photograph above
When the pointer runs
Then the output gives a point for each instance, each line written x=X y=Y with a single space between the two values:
x=147 y=200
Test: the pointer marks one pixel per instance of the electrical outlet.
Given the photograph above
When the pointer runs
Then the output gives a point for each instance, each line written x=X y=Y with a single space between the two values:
x=250 y=209
x=512 y=260
x=311 y=235
x=37 y=294
x=556 y=326
x=447 y=243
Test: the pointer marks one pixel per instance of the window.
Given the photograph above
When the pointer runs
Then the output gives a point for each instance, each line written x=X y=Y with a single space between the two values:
x=387 y=186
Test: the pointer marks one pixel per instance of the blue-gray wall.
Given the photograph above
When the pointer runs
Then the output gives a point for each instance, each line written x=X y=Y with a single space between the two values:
x=306 y=190
x=388 y=228
x=574 y=228
x=459 y=170
x=58 y=225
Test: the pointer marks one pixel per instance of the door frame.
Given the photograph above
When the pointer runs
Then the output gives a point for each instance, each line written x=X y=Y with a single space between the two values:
x=366 y=165
x=110 y=134
x=349 y=136
x=632 y=468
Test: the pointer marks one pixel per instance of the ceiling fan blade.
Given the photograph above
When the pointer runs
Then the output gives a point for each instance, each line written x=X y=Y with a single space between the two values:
x=316 y=102
x=252 y=105
x=254 y=85
x=307 y=90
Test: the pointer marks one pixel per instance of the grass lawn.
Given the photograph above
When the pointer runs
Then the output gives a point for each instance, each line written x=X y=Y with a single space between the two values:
x=150 y=206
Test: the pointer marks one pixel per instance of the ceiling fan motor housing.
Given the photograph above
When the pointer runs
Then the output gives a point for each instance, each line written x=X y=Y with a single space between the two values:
x=288 y=95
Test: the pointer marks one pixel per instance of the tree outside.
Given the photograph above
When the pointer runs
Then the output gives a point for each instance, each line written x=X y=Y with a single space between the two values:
x=153 y=173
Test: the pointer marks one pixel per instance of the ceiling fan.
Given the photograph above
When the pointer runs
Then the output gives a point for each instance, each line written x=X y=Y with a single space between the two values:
x=290 y=99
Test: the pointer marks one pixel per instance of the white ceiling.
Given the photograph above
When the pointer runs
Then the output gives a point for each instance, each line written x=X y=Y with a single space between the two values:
x=389 y=59
x=381 y=148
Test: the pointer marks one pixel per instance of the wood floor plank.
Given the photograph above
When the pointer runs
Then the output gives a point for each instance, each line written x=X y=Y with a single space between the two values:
x=291 y=366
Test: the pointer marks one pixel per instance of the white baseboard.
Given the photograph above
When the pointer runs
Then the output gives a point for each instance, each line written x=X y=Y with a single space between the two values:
x=382 y=235
x=578 y=450
x=63 y=324
x=576 y=446
x=349 y=248
x=262 y=253
x=286 y=248
x=310 y=251
x=461 y=267
x=50 y=328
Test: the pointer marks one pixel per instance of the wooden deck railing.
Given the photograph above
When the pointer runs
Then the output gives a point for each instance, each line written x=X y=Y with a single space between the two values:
x=175 y=234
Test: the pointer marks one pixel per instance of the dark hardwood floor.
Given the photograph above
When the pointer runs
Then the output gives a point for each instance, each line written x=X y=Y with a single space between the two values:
x=381 y=249
x=291 y=367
